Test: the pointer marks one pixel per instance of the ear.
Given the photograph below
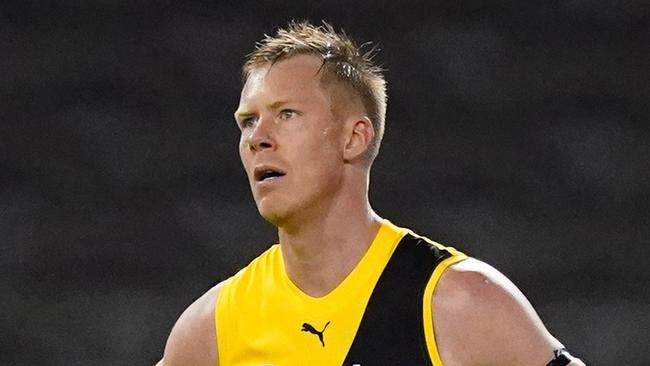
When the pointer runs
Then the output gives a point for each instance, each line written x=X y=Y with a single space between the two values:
x=359 y=138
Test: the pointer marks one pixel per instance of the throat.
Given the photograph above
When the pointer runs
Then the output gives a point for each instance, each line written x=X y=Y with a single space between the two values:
x=318 y=267
x=320 y=278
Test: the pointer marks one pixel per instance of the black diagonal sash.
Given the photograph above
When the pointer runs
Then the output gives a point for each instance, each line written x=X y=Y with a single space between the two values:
x=391 y=332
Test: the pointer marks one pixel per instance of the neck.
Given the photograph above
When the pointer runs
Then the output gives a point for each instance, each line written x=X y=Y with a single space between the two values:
x=321 y=252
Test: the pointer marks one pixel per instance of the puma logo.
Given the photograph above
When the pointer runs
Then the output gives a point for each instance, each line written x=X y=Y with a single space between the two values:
x=306 y=327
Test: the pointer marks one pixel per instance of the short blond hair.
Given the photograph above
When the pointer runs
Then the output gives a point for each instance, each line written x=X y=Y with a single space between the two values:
x=342 y=58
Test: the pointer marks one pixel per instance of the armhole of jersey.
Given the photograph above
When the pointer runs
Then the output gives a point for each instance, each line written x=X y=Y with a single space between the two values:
x=220 y=322
x=429 y=333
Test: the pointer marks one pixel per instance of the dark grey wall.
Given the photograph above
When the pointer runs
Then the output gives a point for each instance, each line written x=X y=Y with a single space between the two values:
x=517 y=132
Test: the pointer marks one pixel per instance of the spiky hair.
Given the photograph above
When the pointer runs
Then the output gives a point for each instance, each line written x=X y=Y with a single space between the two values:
x=342 y=58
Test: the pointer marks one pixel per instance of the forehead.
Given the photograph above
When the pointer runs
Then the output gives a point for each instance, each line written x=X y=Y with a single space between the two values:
x=297 y=75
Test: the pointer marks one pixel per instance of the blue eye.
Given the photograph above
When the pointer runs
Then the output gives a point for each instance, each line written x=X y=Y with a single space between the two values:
x=287 y=113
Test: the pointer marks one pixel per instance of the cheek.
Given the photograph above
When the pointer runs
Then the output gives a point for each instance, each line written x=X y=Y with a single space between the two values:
x=320 y=151
x=244 y=154
x=324 y=161
x=332 y=145
x=243 y=145
x=241 y=150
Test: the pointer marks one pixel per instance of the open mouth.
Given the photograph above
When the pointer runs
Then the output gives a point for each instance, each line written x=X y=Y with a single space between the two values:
x=263 y=174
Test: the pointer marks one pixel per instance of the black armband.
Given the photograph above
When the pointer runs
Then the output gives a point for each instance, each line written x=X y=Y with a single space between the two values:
x=561 y=357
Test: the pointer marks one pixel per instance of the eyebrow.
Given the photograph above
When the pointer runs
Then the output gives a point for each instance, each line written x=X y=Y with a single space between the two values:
x=277 y=104
x=274 y=105
x=240 y=115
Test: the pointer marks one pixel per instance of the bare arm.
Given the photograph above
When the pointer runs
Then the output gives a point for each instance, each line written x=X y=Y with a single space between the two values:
x=193 y=339
x=481 y=318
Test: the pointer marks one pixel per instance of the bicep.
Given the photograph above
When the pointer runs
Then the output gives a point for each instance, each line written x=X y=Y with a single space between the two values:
x=480 y=318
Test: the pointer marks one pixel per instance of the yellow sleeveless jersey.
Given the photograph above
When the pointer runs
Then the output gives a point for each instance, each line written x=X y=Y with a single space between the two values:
x=262 y=318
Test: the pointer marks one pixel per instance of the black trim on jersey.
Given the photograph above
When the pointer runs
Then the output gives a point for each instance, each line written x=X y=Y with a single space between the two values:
x=392 y=330
x=561 y=358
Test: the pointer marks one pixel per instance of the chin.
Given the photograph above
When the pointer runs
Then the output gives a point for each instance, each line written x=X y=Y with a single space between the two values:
x=276 y=219
x=284 y=211
x=271 y=213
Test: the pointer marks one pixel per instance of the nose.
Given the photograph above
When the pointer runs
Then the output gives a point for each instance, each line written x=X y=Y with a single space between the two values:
x=261 y=138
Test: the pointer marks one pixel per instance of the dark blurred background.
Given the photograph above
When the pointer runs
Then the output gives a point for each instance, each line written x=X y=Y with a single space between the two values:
x=516 y=131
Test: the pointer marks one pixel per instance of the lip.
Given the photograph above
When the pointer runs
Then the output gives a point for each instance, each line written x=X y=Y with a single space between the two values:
x=269 y=182
x=260 y=169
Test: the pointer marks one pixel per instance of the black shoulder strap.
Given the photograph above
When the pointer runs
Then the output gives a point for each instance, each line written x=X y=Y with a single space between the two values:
x=561 y=357
x=391 y=330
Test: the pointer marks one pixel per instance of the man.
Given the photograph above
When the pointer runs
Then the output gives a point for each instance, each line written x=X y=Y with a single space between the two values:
x=343 y=286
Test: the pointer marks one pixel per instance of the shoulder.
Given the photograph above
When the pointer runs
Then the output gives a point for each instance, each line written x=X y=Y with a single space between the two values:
x=476 y=309
x=192 y=340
